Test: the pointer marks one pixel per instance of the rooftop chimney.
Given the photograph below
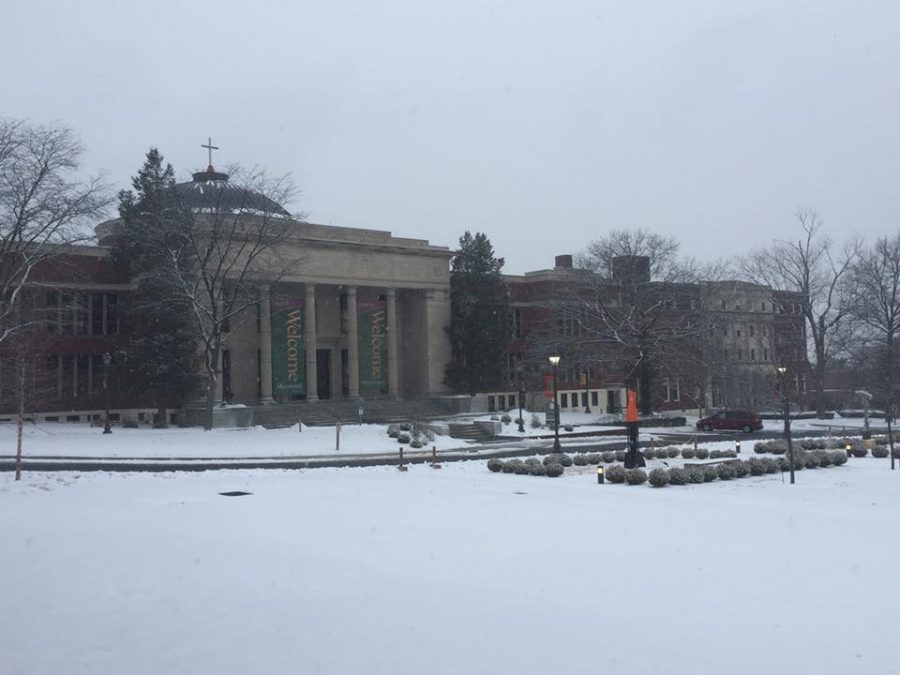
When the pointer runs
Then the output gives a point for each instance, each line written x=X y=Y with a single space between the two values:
x=564 y=261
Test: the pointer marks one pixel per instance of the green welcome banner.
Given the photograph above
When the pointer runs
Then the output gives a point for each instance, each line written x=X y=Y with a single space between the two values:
x=288 y=355
x=371 y=310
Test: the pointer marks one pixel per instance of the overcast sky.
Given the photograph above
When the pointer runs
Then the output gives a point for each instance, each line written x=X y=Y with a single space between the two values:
x=543 y=126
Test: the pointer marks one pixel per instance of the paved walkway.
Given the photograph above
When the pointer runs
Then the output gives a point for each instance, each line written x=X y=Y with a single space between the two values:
x=501 y=449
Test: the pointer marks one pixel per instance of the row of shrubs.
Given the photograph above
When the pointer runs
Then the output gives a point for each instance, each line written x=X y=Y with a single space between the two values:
x=527 y=467
x=856 y=447
x=409 y=434
x=755 y=466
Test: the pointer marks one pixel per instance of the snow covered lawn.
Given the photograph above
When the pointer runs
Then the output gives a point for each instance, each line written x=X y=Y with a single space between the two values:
x=82 y=440
x=451 y=571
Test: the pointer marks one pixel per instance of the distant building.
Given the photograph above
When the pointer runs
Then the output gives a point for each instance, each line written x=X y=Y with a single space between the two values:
x=734 y=334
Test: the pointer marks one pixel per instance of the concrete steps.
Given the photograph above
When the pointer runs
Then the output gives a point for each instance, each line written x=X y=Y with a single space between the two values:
x=319 y=413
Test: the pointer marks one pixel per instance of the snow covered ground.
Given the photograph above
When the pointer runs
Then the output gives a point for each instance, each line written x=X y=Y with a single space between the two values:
x=452 y=571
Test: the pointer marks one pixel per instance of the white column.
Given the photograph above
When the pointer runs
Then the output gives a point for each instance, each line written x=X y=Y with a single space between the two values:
x=352 y=343
x=393 y=345
x=265 y=344
x=309 y=342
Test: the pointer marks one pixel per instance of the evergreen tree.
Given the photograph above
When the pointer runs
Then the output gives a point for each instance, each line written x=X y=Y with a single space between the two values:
x=480 y=310
x=157 y=355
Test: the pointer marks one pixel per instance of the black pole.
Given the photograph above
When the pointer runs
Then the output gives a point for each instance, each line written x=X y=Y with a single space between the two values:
x=587 y=394
x=787 y=435
x=521 y=402
x=556 y=447
x=890 y=435
x=106 y=362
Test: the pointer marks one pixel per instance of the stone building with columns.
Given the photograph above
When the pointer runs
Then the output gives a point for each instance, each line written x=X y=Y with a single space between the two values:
x=345 y=314
x=360 y=314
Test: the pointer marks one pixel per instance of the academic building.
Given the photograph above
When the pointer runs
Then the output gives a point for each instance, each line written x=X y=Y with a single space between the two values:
x=348 y=314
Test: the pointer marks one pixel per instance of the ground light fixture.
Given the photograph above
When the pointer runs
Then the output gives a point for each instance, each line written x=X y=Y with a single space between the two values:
x=554 y=361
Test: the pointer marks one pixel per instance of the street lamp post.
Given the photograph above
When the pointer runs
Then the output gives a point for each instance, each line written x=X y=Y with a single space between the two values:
x=107 y=359
x=554 y=361
x=786 y=409
x=866 y=397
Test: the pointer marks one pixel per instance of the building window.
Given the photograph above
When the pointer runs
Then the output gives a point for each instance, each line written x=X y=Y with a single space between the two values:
x=81 y=313
x=96 y=313
x=112 y=314
x=765 y=354
x=595 y=399
x=753 y=355
x=344 y=313
x=752 y=330
x=517 y=322
x=563 y=400
x=737 y=331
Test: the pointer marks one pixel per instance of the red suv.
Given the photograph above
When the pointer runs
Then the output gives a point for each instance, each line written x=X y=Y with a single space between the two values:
x=744 y=420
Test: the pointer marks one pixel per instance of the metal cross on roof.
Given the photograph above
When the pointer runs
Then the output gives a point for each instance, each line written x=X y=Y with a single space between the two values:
x=209 y=146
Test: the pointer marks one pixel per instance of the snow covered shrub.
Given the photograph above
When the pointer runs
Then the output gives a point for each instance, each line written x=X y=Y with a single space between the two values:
x=405 y=426
x=593 y=458
x=520 y=422
x=761 y=447
x=428 y=435
x=741 y=469
x=580 y=460
x=880 y=451
x=771 y=465
x=778 y=447
x=533 y=461
x=615 y=473
x=635 y=476
x=702 y=453
x=658 y=477
x=535 y=422
x=608 y=457
x=833 y=444
x=505 y=418
x=510 y=466
x=859 y=450
x=813 y=444
x=672 y=452
x=696 y=474
x=896 y=453
x=560 y=458
x=729 y=454
x=810 y=461
x=403 y=438
x=757 y=466
x=568 y=427
x=688 y=453
x=415 y=443
x=725 y=471
x=393 y=430
x=715 y=454
x=678 y=476
x=880 y=440
x=823 y=457
x=709 y=473
x=620 y=455
x=838 y=457
x=649 y=453
x=554 y=470
x=523 y=469
x=538 y=469
x=495 y=465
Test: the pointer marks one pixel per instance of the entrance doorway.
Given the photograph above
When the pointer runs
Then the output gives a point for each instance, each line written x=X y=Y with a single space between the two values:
x=323 y=373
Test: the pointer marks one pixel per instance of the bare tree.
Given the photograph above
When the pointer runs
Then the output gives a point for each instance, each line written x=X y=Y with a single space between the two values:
x=226 y=249
x=817 y=269
x=876 y=289
x=43 y=207
x=635 y=308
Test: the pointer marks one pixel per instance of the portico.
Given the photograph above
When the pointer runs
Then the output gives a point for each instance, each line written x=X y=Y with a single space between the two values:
x=359 y=314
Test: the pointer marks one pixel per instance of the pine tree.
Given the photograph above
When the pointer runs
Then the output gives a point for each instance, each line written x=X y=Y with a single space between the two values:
x=480 y=310
x=157 y=353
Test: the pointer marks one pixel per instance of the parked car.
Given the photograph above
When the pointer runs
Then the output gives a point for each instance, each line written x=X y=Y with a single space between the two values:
x=743 y=420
